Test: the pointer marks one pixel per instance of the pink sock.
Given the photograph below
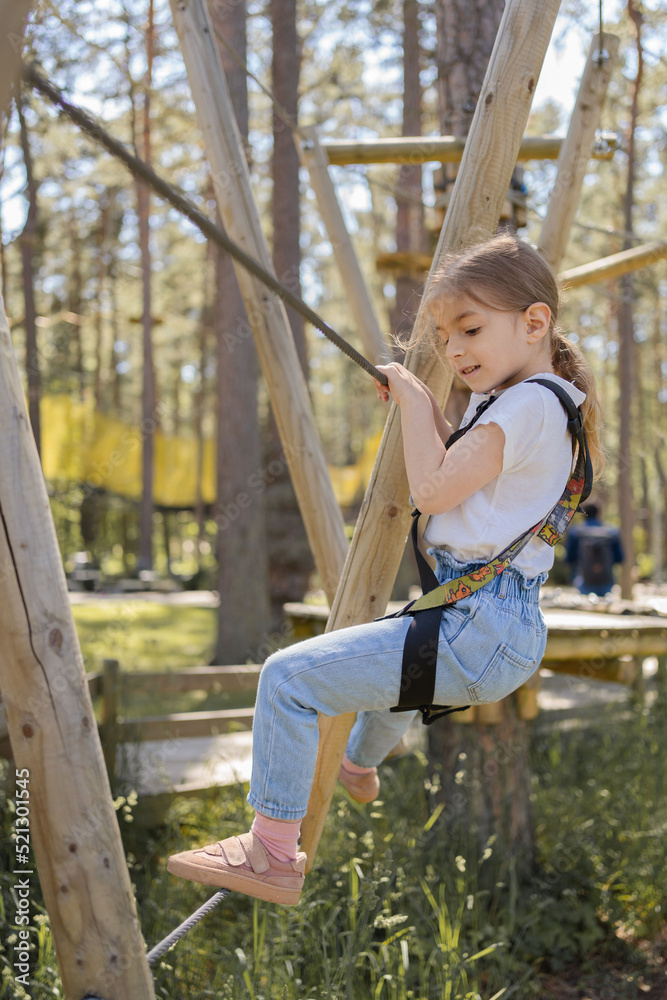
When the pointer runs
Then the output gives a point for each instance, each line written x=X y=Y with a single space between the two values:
x=279 y=838
x=354 y=768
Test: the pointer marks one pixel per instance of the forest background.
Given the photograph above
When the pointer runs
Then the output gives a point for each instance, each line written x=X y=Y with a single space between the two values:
x=121 y=306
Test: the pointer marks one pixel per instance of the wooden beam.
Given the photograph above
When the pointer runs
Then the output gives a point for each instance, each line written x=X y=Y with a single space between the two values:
x=576 y=148
x=480 y=189
x=266 y=314
x=410 y=261
x=438 y=149
x=184 y=725
x=110 y=703
x=622 y=671
x=607 y=268
x=313 y=156
x=230 y=680
x=72 y=823
x=13 y=18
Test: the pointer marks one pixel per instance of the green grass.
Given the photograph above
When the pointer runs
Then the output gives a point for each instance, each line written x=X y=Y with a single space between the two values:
x=396 y=906
x=143 y=635
x=146 y=636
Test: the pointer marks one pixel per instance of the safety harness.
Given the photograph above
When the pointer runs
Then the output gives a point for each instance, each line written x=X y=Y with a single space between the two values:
x=420 y=651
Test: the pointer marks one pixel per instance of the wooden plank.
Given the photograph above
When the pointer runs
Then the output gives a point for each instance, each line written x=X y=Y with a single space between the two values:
x=577 y=148
x=228 y=679
x=110 y=703
x=95 y=683
x=613 y=266
x=481 y=186
x=436 y=149
x=184 y=725
x=403 y=260
x=73 y=827
x=313 y=156
x=266 y=314
x=572 y=635
x=588 y=647
x=598 y=669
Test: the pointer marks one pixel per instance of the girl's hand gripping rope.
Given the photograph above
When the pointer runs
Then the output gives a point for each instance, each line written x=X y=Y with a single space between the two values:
x=403 y=385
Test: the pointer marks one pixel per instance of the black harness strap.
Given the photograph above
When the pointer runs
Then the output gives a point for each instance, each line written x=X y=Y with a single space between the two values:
x=420 y=650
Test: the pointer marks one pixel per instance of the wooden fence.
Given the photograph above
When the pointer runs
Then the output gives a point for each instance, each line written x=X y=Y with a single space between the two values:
x=116 y=688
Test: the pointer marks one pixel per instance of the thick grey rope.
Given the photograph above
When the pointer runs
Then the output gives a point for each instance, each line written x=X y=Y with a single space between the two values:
x=163 y=947
x=187 y=208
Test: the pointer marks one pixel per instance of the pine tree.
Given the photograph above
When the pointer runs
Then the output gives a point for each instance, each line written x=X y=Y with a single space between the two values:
x=243 y=617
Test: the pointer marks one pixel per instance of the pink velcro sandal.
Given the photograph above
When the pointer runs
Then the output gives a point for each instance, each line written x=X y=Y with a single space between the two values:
x=244 y=865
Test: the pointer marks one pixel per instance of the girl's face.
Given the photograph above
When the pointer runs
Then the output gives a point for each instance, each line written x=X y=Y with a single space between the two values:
x=490 y=349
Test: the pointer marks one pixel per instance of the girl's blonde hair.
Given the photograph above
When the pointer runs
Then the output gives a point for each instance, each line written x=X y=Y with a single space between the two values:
x=508 y=274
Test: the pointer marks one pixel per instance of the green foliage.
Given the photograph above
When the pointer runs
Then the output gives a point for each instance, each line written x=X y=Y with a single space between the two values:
x=394 y=908
x=144 y=635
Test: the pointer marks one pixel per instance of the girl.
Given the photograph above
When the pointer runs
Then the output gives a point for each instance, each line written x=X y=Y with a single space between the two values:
x=495 y=310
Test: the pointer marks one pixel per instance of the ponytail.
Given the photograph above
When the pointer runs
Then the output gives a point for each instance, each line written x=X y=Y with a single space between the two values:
x=569 y=362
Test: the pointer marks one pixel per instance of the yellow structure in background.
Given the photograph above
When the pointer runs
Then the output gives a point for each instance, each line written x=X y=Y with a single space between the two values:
x=350 y=481
x=81 y=444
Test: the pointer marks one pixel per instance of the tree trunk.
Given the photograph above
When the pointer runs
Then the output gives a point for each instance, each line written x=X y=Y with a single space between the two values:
x=290 y=560
x=482 y=771
x=626 y=341
x=410 y=233
x=27 y=241
x=76 y=301
x=466 y=32
x=114 y=374
x=205 y=321
x=243 y=617
x=4 y=287
x=148 y=413
x=103 y=230
x=285 y=208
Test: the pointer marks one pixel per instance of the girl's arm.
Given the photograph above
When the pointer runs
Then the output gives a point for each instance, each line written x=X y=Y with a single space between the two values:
x=442 y=424
x=440 y=480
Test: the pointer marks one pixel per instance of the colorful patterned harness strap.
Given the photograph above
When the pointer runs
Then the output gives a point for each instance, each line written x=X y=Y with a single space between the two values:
x=420 y=651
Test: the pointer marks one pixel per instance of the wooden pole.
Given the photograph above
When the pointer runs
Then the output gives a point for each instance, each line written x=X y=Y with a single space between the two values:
x=614 y=265
x=266 y=313
x=13 y=18
x=480 y=189
x=72 y=823
x=438 y=148
x=576 y=148
x=110 y=705
x=314 y=158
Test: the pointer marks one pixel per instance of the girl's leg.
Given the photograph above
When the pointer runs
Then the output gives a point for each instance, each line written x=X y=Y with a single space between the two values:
x=375 y=734
x=349 y=670
x=345 y=671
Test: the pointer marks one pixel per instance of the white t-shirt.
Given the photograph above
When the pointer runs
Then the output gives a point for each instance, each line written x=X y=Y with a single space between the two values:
x=537 y=458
